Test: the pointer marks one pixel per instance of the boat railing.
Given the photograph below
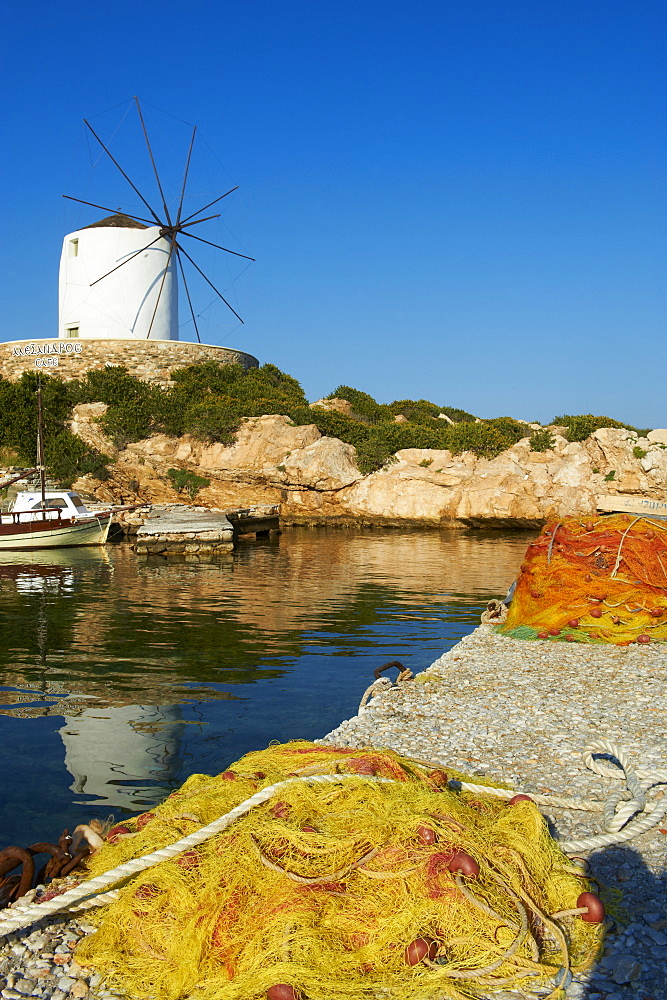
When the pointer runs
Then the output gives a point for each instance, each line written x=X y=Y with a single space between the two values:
x=23 y=516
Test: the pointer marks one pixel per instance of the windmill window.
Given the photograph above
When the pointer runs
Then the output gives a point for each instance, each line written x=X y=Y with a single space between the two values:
x=72 y=331
x=74 y=248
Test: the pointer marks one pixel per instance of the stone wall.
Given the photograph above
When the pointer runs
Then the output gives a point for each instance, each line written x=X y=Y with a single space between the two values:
x=150 y=360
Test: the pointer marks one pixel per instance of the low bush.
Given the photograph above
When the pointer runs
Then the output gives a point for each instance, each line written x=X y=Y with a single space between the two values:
x=187 y=482
x=542 y=440
x=418 y=411
x=578 y=428
x=511 y=429
x=210 y=400
x=332 y=424
x=364 y=407
x=65 y=454
x=457 y=415
x=482 y=439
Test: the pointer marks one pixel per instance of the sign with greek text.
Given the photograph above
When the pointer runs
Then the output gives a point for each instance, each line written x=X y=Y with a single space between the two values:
x=46 y=355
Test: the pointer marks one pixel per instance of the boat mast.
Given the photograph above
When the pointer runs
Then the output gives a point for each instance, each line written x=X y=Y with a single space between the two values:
x=40 y=447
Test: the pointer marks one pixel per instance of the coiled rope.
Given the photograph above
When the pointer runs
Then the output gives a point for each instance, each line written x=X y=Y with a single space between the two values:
x=626 y=813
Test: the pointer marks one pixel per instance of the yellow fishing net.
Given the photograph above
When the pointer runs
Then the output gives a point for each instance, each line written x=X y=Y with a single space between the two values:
x=601 y=580
x=341 y=891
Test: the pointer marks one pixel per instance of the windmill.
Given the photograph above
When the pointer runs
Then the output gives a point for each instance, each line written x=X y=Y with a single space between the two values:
x=119 y=276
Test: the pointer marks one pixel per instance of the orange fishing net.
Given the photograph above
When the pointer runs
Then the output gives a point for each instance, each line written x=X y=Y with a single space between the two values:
x=602 y=580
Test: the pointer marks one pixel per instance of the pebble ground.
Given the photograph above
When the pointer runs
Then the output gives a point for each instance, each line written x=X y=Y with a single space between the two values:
x=523 y=712
x=520 y=712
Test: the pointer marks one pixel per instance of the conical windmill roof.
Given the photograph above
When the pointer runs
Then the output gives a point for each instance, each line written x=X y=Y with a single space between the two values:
x=118 y=221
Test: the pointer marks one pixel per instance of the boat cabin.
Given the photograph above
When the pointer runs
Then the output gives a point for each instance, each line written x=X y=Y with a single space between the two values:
x=59 y=503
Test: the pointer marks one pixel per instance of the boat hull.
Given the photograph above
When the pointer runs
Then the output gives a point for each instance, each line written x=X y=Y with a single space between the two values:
x=54 y=535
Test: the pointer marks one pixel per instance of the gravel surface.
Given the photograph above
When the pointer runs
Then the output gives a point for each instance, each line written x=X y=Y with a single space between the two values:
x=519 y=712
x=523 y=712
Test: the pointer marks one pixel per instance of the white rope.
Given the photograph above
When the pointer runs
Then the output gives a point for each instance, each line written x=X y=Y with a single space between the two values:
x=618 y=819
x=383 y=684
x=377 y=687
x=627 y=813
x=618 y=810
x=82 y=894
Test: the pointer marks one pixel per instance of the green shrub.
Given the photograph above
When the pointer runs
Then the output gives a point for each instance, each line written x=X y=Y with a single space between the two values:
x=542 y=440
x=511 y=429
x=482 y=439
x=129 y=421
x=457 y=415
x=384 y=439
x=578 y=428
x=8 y=457
x=113 y=386
x=364 y=407
x=187 y=482
x=638 y=452
x=422 y=411
x=610 y=476
x=66 y=456
x=417 y=411
x=425 y=462
x=332 y=424
x=209 y=400
x=212 y=420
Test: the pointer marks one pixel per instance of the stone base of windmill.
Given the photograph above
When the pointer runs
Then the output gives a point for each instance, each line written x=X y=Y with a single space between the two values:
x=149 y=360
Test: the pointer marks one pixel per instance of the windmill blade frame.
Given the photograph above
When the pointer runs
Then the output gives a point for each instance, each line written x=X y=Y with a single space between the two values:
x=171 y=226
x=179 y=247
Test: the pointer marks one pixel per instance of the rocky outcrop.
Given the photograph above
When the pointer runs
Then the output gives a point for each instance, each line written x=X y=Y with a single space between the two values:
x=316 y=480
x=517 y=488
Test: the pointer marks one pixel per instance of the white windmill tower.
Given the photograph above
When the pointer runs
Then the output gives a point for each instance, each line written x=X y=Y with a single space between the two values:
x=118 y=276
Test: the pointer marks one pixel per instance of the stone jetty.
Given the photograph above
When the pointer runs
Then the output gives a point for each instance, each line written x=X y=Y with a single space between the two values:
x=180 y=529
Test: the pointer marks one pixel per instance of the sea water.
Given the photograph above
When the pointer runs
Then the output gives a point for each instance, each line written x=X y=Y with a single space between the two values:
x=122 y=675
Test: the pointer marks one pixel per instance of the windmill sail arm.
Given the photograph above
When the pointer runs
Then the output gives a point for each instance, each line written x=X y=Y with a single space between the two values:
x=179 y=247
x=218 y=247
x=214 y=202
x=113 y=211
x=150 y=153
x=117 y=164
x=195 y=222
x=185 y=176
x=187 y=292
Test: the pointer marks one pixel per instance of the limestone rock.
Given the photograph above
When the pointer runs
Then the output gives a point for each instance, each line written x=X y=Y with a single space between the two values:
x=326 y=464
x=84 y=423
x=658 y=436
x=316 y=479
x=335 y=405
x=388 y=497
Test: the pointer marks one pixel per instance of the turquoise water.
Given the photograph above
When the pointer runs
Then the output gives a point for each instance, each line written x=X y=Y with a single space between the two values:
x=121 y=675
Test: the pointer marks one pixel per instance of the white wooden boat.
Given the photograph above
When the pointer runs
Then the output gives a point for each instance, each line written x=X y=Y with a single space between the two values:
x=49 y=519
x=52 y=519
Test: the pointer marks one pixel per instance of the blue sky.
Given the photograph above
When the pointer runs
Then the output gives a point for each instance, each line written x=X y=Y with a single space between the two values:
x=463 y=202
